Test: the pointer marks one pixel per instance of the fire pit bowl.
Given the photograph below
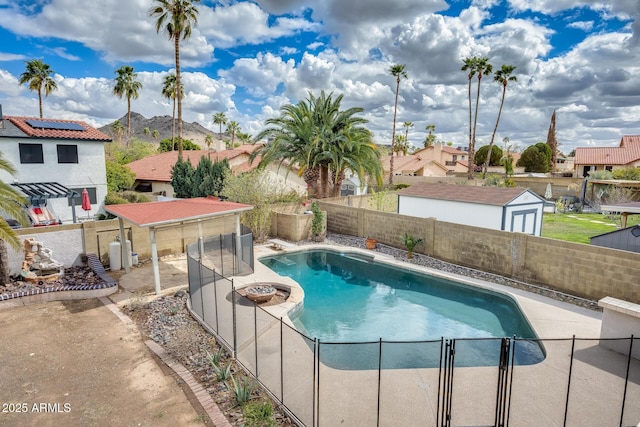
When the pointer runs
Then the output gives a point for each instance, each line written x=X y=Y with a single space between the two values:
x=260 y=293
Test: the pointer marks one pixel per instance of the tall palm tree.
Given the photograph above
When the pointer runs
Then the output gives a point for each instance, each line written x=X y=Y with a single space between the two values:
x=483 y=67
x=38 y=77
x=170 y=91
x=208 y=140
x=502 y=76
x=11 y=202
x=428 y=141
x=407 y=125
x=220 y=119
x=398 y=72
x=470 y=65
x=233 y=128
x=176 y=17
x=127 y=86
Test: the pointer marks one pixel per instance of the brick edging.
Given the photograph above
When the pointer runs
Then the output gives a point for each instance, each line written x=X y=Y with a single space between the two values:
x=96 y=266
x=210 y=407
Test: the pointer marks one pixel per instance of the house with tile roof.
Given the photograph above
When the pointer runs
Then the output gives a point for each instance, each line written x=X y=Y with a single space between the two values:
x=67 y=152
x=498 y=208
x=434 y=160
x=626 y=155
x=153 y=173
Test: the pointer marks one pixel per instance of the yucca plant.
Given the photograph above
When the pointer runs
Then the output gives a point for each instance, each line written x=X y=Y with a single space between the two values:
x=214 y=358
x=223 y=374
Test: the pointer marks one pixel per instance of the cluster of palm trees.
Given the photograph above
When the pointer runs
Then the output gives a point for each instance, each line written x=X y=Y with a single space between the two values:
x=233 y=129
x=480 y=67
x=323 y=142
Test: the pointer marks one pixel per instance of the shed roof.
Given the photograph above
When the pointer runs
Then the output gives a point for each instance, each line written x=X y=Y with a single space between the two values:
x=84 y=131
x=159 y=213
x=498 y=196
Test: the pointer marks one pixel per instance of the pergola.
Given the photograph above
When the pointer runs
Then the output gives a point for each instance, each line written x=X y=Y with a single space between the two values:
x=625 y=209
x=165 y=214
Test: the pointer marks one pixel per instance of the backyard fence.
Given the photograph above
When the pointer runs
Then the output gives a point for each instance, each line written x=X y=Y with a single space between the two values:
x=576 y=382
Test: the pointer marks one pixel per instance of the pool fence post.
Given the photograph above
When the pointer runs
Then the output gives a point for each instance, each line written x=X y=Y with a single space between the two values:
x=255 y=333
x=221 y=246
x=281 y=364
x=626 y=380
x=513 y=358
x=566 y=405
x=439 y=382
x=233 y=307
x=316 y=381
x=379 y=379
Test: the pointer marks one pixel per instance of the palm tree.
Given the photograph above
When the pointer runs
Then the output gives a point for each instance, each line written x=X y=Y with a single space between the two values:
x=11 y=202
x=397 y=71
x=208 y=140
x=38 y=76
x=155 y=134
x=319 y=139
x=407 y=125
x=483 y=67
x=176 y=17
x=169 y=91
x=502 y=76
x=127 y=86
x=146 y=131
x=118 y=130
x=401 y=145
x=469 y=64
x=233 y=128
x=220 y=119
x=428 y=141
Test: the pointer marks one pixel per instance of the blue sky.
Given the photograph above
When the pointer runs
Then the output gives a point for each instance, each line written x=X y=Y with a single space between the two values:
x=247 y=59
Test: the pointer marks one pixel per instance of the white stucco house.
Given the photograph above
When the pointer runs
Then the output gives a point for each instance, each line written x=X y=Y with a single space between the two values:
x=508 y=209
x=56 y=158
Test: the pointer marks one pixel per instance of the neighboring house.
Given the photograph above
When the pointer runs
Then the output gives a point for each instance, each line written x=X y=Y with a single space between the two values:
x=626 y=155
x=435 y=160
x=67 y=152
x=497 y=208
x=352 y=186
x=153 y=173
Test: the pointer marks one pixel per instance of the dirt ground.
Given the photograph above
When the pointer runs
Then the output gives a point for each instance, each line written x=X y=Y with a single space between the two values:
x=74 y=363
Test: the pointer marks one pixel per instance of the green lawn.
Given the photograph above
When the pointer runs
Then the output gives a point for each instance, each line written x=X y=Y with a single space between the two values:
x=575 y=227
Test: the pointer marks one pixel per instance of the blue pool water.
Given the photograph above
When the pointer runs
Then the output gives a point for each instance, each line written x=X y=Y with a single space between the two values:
x=349 y=299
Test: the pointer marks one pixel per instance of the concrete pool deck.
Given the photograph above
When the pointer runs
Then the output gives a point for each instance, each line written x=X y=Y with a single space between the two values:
x=410 y=396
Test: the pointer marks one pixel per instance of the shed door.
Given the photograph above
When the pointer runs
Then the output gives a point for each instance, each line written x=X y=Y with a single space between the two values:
x=524 y=221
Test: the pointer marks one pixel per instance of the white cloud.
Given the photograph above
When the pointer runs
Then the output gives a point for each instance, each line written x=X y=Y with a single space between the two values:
x=261 y=75
x=581 y=25
x=12 y=57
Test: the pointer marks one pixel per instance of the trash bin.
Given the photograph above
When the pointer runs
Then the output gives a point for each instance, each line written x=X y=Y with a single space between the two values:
x=134 y=258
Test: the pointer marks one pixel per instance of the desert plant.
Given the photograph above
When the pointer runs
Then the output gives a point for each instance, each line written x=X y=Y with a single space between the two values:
x=214 y=358
x=242 y=389
x=317 y=223
x=223 y=374
x=410 y=243
x=173 y=310
x=258 y=414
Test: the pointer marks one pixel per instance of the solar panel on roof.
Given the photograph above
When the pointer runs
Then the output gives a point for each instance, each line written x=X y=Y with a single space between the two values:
x=43 y=124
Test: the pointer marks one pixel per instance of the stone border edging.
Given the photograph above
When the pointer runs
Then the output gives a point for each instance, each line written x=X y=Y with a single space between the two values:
x=210 y=407
x=96 y=266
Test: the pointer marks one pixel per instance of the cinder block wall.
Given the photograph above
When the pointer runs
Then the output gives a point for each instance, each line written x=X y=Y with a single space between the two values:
x=588 y=271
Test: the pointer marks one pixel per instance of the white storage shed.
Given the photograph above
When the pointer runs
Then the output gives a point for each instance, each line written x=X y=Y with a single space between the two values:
x=498 y=208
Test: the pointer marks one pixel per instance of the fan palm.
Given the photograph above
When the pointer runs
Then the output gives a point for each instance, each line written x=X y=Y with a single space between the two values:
x=127 y=86
x=220 y=119
x=169 y=91
x=483 y=67
x=38 y=77
x=11 y=202
x=407 y=125
x=502 y=76
x=176 y=17
x=428 y=141
x=470 y=65
x=233 y=128
x=397 y=71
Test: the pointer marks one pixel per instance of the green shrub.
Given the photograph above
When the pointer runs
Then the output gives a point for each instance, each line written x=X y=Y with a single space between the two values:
x=410 y=243
x=258 y=414
x=114 y=199
x=630 y=174
x=242 y=389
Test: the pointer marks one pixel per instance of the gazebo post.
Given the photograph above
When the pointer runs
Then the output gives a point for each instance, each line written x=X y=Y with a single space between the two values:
x=154 y=259
x=238 y=244
x=124 y=248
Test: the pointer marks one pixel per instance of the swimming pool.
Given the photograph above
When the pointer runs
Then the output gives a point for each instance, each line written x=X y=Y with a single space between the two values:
x=351 y=299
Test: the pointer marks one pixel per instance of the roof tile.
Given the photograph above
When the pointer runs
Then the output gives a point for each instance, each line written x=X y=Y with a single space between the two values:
x=463 y=193
x=627 y=153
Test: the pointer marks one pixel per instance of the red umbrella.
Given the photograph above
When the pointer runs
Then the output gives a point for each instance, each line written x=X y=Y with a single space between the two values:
x=86 y=202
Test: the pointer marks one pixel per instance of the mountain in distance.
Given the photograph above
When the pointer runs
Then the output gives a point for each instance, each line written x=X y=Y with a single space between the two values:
x=192 y=131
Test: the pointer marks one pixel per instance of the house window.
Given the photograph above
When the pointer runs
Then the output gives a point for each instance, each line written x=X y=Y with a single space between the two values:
x=455 y=157
x=609 y=168
x=31 y=153
x=67 y=153
x=78 y=199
